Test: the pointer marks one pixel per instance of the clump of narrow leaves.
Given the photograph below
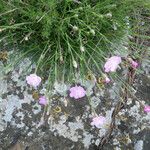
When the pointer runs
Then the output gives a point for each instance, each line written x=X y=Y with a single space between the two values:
x=65 y=37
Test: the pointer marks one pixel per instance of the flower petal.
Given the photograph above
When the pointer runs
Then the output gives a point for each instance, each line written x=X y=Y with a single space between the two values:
x=42 y=100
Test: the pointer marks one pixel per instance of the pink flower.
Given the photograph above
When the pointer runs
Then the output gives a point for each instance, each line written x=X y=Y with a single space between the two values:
x=107 y=80
x=77 y=92
x=147 y=108
x=33 y=80
x=42 y=100
x=98 y=121
x=134 y=64
x=112 y=64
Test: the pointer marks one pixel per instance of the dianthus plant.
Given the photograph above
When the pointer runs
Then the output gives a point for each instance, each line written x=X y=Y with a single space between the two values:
x=65 y=37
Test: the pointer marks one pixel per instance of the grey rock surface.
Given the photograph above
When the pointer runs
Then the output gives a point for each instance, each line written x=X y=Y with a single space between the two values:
x=21 y=116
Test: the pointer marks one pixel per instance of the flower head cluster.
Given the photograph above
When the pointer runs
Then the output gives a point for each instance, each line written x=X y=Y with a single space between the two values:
x=77 y=92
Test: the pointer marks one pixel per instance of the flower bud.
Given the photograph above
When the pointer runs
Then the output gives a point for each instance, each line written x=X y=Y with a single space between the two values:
x=82 y=49
x=76 y=15
x=75 y=28
x=92 y=31
x=75 y=64
x=109 y=15
x=80 y=8
x=26 y=38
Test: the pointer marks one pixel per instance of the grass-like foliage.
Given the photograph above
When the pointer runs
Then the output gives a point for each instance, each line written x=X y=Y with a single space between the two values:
x=65 y=37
